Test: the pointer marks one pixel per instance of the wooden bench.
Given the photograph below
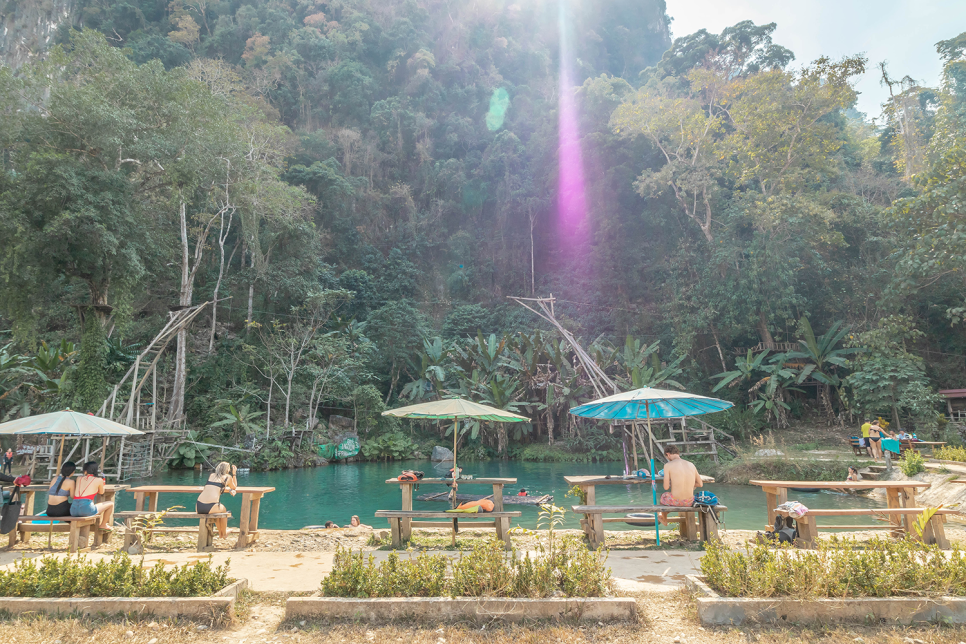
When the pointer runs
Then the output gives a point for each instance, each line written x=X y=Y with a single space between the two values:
x=704 y=529
x=205 y=530
x=857 y=448
x=808 y=528
x=78 y=529
x=398 y=519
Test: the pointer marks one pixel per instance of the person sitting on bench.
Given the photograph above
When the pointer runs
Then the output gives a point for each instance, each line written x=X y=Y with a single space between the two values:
x=58 y=494
x=88 y=487
x=680 y=479
x=209 y=499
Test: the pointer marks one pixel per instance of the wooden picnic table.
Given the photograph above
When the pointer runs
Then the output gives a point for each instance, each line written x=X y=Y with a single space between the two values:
x=406 y=524
x=593 y=523
x=899 y=494
x=588 y=483
x=251 y=499
x=30 y=492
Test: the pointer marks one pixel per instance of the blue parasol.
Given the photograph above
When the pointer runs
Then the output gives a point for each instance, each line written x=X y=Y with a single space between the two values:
x=655 y=403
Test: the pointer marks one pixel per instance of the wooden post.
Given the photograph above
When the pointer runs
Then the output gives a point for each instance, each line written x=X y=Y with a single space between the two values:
x=634 y=443
x=104 y=452
x=60 y=455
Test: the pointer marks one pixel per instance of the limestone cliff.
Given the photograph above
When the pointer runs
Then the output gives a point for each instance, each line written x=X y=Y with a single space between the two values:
x=28 y=27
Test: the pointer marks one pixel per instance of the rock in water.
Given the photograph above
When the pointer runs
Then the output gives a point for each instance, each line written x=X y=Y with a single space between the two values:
x=441 y=454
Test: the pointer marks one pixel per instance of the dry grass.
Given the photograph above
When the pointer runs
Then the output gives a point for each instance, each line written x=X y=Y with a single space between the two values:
x=664 y=617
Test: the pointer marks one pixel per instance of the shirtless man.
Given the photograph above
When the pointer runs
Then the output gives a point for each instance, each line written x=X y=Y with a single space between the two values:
x=680 y=478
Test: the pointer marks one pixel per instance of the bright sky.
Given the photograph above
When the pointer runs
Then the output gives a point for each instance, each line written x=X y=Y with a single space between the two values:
x=901 y=32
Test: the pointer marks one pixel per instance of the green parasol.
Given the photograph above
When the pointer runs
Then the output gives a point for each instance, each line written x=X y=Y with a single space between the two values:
x=455 y=408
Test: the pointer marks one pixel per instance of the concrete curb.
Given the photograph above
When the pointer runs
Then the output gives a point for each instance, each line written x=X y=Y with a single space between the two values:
x=437 y=609
x=216 y=608
x=715 y=610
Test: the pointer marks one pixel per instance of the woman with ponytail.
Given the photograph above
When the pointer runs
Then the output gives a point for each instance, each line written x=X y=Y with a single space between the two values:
x=58 y=501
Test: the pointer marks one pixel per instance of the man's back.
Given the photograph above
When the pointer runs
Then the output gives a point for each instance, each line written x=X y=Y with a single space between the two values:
x=683 y=476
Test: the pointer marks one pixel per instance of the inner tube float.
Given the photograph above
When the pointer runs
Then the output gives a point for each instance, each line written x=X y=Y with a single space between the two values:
x=805 y=489
x=640 y=519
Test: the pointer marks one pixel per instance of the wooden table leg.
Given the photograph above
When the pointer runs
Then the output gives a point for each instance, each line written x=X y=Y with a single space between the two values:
x=253 y=518
x=707 y=526
x=129 y=534
x=243 y=522
x=688 y=526
x=807 y=531
x=907 y=499
x=139 y=501
x=13 y=538
x=598 y=520
x=406 y=524
x=394 y=527
x=591 y=494
x=893 y=501
x=153 y=502
x=935 y=533
x=29 y=502
x=73 y=536
x=774 y=496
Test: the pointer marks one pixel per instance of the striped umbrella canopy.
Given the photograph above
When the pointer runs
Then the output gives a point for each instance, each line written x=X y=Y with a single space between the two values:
x=68 y=423
x=649 y=403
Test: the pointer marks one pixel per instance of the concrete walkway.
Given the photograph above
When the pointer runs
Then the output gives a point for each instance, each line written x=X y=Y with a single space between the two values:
x=658 y=570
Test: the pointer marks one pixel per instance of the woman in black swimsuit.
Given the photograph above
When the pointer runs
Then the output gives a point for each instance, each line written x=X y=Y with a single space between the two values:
x=209 y=500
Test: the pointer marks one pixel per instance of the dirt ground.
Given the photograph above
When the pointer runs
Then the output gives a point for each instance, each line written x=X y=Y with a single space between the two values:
x=663 y=618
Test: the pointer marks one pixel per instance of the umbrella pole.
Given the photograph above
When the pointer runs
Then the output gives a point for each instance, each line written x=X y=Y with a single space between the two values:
x=454 y=502
x=657 y=524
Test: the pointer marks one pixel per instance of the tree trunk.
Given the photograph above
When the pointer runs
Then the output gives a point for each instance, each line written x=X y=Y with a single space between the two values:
x=251 y=288
x=176 y=408
x=766 y=337
x=222 y=236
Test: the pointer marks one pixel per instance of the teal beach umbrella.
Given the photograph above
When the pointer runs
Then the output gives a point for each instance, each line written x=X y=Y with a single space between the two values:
x=648 y=403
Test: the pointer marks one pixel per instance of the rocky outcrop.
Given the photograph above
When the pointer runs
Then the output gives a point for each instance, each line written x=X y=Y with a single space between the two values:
x=28 y=27
x=441 y=454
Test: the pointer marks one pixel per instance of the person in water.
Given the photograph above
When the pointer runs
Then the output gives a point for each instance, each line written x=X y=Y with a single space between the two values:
x=853 y=476
x=330 y=524
x=522 y=492
x=209 y=501
x=85 y=490
x=680 y=479
x=58 y=494
x=354 y=521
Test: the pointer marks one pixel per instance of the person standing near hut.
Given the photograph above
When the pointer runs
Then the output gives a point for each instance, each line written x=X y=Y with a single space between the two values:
x=7 y=460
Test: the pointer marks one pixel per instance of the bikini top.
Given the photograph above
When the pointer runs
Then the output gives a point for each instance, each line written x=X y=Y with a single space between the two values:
x=88 y=497
x=60 y=491
x=217 y=484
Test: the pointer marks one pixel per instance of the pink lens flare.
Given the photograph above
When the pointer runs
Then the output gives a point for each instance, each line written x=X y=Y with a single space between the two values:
x=571 y=190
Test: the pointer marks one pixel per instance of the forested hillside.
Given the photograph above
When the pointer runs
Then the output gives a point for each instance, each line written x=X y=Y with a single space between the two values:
x=360 y=185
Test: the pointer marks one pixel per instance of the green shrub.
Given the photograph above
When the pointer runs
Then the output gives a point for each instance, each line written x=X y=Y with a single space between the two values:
x=115 y=577
x=838 y=568
x=486 y=571
x=912 y=463
x=951 y=453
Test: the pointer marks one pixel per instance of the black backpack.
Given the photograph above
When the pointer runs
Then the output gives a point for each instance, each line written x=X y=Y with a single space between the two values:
x=785 y=530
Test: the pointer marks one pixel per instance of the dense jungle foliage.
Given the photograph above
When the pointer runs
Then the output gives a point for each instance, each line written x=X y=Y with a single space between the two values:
x=359 y=185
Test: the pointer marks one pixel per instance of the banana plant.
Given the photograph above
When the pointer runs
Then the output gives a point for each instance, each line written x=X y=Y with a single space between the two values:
x=432 y=371
x=821 y=351
x=744 y=371
x=241 y=418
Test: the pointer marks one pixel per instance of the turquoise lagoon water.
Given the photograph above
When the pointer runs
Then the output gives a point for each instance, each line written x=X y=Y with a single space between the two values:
x=312 y=496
